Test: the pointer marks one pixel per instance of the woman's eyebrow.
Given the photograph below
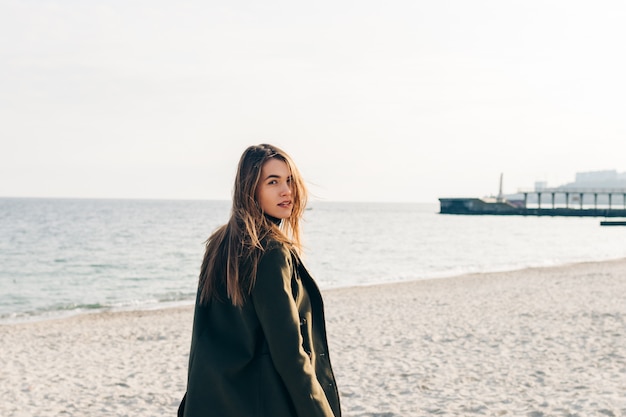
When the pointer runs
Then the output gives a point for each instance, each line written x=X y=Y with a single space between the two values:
x=272 y=176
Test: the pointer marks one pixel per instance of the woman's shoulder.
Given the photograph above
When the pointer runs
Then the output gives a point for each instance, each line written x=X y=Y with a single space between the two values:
x=274 y=243
x=274 y=268
x=273 y=247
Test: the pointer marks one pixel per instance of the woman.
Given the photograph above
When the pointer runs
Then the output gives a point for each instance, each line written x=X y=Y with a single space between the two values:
x=259 y=344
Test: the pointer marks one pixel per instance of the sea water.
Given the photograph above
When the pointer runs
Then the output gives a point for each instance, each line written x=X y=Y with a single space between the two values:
x=68 y=256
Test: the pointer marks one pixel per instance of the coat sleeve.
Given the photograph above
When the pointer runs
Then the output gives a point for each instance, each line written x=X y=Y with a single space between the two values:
x=279 y=318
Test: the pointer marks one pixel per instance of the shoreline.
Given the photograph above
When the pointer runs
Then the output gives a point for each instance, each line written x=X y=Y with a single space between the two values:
x=68 y=314
x=541 y=341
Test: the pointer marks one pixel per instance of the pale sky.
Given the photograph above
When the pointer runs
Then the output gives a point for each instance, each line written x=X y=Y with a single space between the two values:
x=375 y=100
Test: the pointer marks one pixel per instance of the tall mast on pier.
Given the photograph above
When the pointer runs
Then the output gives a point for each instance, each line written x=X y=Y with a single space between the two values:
x=500 y=197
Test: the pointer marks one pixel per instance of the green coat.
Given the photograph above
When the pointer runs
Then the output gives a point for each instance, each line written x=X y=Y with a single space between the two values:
x=268 y=358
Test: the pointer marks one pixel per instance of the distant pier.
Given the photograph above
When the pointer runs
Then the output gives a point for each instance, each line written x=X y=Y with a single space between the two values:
x=579 y=194
x=579 y=202
x=613 y=223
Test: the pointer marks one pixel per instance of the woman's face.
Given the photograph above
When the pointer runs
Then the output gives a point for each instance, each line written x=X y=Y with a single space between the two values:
x=274 y=189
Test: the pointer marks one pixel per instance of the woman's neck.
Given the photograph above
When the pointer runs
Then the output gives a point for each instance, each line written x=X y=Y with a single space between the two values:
x=274 y=220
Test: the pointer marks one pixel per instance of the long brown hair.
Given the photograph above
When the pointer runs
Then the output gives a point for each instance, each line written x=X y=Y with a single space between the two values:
x=233 y=251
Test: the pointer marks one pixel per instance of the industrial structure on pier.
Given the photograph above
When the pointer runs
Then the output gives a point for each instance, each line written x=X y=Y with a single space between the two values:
x=597 y=193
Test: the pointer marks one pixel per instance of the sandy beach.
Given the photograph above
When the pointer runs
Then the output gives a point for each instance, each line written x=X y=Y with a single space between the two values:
x=537 y=342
